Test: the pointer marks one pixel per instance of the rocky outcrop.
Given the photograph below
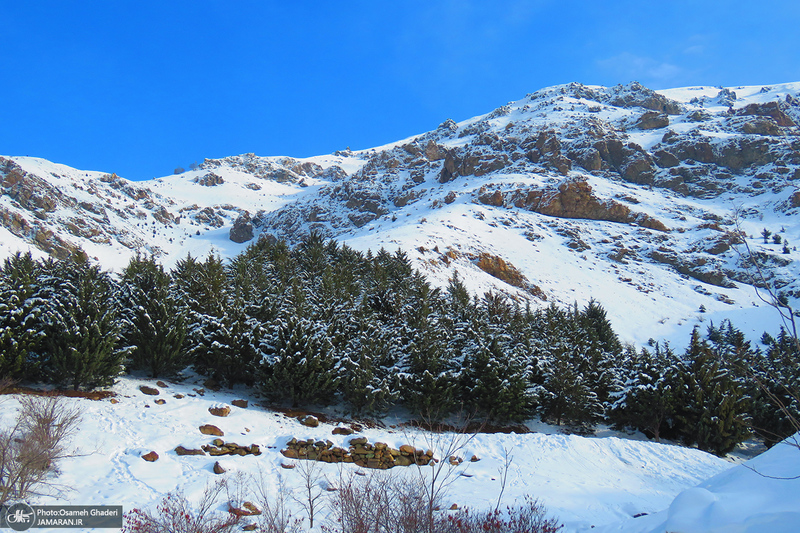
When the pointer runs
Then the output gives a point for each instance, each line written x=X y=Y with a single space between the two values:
x=210 y=180
x=242 y=229
x=773 y=110
x=697 y=267
x=571 y=199
x=637 y=95
x=652 y=120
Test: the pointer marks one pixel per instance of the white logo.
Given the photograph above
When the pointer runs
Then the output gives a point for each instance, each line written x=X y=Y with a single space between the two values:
x=20 y=517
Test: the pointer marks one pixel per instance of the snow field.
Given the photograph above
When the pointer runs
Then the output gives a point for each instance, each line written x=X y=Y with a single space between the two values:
x=582 y=481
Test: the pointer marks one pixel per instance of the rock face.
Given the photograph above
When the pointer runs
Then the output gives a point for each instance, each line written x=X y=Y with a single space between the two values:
x=242 y=230
x=571 y=199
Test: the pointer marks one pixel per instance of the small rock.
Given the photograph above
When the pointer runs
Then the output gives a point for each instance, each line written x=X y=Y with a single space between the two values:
x=218 y=442
x=340 y=430
x=250 y=527
x=161 y=401
x=162 y=384
x=150 y=457
x=150 y=391
x=454 y=507
x=180 y=450
x=208 y=429
x=474 y=459
x=240 y=403
x=179 y=396
x=358 y=441
x=114 y=401
x=218 y=469
x=310 y=421
x=288 y=466
x=220 y=411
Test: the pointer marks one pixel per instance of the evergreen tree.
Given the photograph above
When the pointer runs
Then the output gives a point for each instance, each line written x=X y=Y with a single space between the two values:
x=776 y=375
x=154 y=322
x=713 y=403
x=20 y=335
x=298 y=364
x=566 y=394
x=493 y=381
x=80 y=320
x=367 y=368
x=647 y=401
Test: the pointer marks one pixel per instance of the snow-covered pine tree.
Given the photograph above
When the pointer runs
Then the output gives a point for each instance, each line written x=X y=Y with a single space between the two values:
x=82 y=329
x=714 y=405
x=429 y=377
x=20 y=335
x=153 y=320
x=367 y=368
x=566 y=394
x=493 y=381
x=776 y=375
x=646 y=400
x=299 y=364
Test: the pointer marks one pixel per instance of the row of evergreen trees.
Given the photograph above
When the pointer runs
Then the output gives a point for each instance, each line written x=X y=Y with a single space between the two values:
x=322 y=323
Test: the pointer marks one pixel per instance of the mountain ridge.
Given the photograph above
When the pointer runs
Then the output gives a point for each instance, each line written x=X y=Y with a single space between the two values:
x=630 y=196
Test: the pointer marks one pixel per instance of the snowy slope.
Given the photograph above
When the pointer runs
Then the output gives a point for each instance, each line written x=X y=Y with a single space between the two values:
x=762 y=495
x=584 y=482
x=626 y=195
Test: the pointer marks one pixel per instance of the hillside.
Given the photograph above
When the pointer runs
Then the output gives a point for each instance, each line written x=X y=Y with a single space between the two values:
x=624 y=194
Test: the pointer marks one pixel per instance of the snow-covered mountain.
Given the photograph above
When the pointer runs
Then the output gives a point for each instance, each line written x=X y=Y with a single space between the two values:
x=630 y=196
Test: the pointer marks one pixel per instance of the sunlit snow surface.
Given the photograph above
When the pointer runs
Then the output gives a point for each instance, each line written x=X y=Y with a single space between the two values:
x=582 y=481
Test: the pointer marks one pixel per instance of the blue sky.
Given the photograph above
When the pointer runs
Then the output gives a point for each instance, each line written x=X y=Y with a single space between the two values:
x=142 y=87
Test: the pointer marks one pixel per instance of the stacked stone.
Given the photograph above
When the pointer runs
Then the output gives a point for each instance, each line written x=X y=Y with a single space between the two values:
x=220 y=447
x=378 y=455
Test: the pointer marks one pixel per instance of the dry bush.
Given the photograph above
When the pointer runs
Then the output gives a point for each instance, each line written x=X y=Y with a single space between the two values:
x=386 y=503
x=32 y=447
x=275 y=515
x=175 y=514
x=527 y=518
x=380 y=503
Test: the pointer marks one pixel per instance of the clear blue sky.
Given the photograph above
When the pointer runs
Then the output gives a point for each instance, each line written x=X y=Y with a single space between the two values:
x=142 y=87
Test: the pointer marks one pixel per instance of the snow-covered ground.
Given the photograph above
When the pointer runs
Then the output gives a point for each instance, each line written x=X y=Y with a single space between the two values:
x=588 y=483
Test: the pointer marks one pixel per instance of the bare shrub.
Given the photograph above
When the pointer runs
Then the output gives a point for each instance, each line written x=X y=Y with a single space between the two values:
x=386 y=503
x=175 y=514
x=275 y=515
x=311 y=495
x=434 y=479
x=380 y=503
x=360 y=504
x=32 y=447
x=527 y=518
